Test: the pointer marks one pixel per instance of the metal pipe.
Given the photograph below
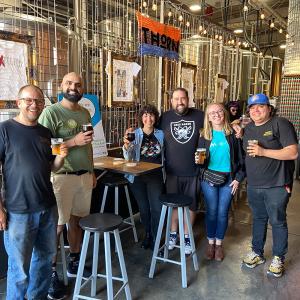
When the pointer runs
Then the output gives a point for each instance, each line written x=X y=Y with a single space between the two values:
x=159 y=87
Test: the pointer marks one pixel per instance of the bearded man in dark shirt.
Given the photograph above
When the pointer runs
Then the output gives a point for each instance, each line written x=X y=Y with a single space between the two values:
x=181 y=126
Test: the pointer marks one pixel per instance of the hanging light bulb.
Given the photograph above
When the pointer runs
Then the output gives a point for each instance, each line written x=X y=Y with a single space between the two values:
x=287 y=35
x=254 y=49
x=280 y=30
x=245 y=8
x=170 y=13
x=239 y=43
x=293 y=43
x=154 y=6
x=200 y=28
x=220 y=37
x=262 y=16
x=180 y=18
x=145 y=4
x=260 y=53
x=272 y=24
x=188 y=24
x=204 y=31
x=216 y=36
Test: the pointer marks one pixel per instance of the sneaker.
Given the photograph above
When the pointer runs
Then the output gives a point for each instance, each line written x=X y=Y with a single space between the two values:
x=172 y=240
x=187 y=245
x=56 y=289
x=252 y=259
x=147 y=242
x=72 y=268
x=276 y=268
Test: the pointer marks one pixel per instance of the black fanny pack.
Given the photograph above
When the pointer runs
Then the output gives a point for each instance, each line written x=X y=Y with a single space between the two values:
x=214 y=178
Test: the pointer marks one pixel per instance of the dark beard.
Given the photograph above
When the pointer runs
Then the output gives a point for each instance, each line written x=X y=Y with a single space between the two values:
x=182 y=113
x=72 y=98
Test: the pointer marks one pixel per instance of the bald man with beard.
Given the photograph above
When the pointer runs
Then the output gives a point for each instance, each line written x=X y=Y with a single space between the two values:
x=74 y=182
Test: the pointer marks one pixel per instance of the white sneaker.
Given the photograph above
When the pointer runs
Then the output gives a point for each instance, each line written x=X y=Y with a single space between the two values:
x=172 y=240
x=187 y=245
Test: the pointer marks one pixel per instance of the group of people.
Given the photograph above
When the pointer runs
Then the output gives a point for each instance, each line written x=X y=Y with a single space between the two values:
x=263 y=152
x=36 y=205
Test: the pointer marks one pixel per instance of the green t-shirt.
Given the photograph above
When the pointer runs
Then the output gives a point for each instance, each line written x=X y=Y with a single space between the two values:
x=65 y=123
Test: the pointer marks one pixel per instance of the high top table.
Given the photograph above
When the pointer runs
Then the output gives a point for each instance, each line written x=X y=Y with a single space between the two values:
x=121 y=166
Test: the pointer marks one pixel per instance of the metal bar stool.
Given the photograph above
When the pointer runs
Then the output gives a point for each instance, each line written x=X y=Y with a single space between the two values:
x=108 y=224
x=116 y=182
x=181 y=202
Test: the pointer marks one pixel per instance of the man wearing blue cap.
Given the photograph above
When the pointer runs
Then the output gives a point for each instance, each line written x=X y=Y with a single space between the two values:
x=271 y=146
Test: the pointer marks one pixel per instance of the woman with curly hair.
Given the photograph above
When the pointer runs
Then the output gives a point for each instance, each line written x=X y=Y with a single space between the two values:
x=147 y=146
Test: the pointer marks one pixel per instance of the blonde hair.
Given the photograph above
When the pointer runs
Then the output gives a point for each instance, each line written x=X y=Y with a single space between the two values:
x=206 y=132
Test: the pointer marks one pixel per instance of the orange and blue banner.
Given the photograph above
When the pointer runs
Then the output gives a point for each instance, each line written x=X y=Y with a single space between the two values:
x=158 y=39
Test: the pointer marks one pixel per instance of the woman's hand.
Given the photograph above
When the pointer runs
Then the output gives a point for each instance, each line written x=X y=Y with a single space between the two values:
x=235 y=185
x=239 y=132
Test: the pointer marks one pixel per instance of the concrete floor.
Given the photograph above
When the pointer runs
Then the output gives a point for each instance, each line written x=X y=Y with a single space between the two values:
x=215 y=280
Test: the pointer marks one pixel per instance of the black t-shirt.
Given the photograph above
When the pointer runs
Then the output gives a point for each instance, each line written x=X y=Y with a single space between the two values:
x=181 y=134
x=26 y=158
x=266 y=172
x=150 y=149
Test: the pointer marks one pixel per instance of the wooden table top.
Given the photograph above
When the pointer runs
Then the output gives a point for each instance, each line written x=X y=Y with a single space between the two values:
x=121 y=166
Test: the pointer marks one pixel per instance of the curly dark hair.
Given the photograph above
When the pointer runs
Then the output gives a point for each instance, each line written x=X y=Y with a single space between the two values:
x=148 y=109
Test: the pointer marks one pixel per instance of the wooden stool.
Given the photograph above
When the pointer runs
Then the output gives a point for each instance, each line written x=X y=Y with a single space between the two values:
x=98 y=223
x=182 y=203
x=116 y=182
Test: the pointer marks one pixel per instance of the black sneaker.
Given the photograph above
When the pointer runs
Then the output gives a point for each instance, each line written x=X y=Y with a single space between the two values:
x=72 y=270
x=72 y=267
x=147 y=242
x=57 y=288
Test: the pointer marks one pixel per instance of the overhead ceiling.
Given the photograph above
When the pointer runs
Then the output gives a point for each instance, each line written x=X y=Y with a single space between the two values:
x=233 y=17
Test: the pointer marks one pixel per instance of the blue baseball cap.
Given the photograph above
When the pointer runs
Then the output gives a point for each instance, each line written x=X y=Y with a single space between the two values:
x=258 y=99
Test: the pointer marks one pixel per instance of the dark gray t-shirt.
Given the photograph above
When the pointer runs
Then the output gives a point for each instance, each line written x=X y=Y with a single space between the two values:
x=266 y=172
x=181 y=134
x=26 y=158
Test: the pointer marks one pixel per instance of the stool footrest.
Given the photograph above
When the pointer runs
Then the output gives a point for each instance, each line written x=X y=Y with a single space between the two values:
x=168 y=260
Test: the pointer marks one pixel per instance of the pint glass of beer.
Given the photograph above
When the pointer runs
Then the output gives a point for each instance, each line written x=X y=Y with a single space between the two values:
x=55 y=145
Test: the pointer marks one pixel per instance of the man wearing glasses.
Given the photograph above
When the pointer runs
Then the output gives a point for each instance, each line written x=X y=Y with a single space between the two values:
x=28 y=208
x=73 y=183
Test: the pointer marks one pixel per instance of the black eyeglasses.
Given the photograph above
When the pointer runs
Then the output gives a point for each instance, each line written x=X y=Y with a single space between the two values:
x=29 y=101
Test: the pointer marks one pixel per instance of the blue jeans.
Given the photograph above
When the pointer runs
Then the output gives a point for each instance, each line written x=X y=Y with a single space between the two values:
x=30 y=242
x=269 y=205
x=217 y=202
x=146 y=190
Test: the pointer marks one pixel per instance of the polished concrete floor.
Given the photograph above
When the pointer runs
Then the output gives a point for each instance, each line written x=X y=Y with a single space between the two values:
x=214 y=280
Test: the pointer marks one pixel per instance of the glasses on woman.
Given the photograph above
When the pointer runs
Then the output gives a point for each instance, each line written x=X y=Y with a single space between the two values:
x=218 y=112
x=29 y=101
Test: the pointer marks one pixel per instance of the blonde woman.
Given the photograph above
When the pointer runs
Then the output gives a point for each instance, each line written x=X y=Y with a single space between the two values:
x=223 y=170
